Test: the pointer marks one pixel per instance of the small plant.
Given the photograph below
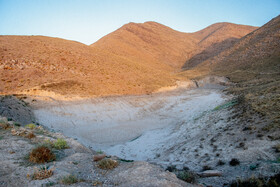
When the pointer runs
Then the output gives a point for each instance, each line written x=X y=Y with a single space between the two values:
x=42 y=173
x=99 y=152
x=60 y=144
x=186 y=176
x=30 y=135
x=41 y=154
x=226 y=105
x=4 y=125
x=234 y=162
x=69 y=179
x=30 y=126
x=277 y=148
x=253 y=181
x=50 y=183
x=107 y=164
x=220 y=163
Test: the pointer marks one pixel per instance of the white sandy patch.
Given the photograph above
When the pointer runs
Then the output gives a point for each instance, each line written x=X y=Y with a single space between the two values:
x=111 y=123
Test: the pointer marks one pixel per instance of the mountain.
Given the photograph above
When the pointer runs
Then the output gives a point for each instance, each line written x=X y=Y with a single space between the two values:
x=214 y=39
x=68 y=67
x=135 y=59
x=252 y=63
x=153 y=42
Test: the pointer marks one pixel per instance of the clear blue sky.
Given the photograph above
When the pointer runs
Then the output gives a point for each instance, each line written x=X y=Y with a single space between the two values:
x=87 y=21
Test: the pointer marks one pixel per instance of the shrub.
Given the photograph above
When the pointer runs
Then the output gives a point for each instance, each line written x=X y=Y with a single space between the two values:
x=60 y=144
x=234 y=162
x=186 y=176
x=4 y=125
x=107 y=164
x=69 y=179
x=30 y=135
x=41 y=154
x=42 y=173
x=277 y=148
x=30 y=126
x=220 y=163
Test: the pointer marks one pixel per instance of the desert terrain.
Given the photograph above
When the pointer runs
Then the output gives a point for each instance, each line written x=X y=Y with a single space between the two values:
x=166 y=108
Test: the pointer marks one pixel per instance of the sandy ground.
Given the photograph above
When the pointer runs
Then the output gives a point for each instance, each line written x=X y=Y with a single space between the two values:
x=105 y=122
x=177 y=128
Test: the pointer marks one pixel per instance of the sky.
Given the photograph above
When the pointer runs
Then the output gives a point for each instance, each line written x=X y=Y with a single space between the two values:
x=87 y=21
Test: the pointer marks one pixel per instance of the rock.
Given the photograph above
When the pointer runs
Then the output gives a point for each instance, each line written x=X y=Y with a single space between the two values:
x=98 y=157
x=144 y=174
x=210 y=173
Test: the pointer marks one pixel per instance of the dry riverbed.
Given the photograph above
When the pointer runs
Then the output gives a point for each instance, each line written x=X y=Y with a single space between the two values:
x=197 y=133
x=179 y=130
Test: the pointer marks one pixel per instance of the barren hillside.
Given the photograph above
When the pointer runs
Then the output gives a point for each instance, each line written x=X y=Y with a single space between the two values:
x=252 y=63
x=135 y=59
x=214 y=39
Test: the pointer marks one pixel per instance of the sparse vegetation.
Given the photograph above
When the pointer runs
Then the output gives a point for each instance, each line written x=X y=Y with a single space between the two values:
x=273 y=181
x=277 y=148
x=69 y=179
x=4 y=125
x=30 y=135
x=234 y=162
x=220 y=163
x=41 y=154
x=42 y=173
x=60 y=144
x=30 y=126
x=186 y=176
x=107 y=164
x=226 y=105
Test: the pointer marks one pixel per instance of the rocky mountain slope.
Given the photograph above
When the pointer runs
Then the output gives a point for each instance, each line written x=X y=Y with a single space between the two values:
x=253 y=64
x=135 y=59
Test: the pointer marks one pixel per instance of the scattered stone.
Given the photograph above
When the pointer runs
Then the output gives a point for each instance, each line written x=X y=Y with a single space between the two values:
x=98 y=157
x=210 y=173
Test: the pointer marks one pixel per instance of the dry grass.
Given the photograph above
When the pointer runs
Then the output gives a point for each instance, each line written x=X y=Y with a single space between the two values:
x=41 y=154
x=69 y=179
x=4 y=125
x=112 y=66
x=42 y=173
x=107 y=164
x=30 y=135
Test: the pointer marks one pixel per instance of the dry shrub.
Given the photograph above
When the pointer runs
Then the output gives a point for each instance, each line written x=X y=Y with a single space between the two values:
x=41 y=154
x=4 y=125
x=69 y=179
x=107 y=164
x=19 y=132
x=42 y=173
x=30 y=135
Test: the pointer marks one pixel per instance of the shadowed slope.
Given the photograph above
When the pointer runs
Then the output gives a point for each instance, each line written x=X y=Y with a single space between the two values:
x=252 y=63
x=214 y=39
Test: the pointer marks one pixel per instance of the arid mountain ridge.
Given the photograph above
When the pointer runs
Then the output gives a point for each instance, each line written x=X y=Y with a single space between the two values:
x=135 y=59
x=252 y=63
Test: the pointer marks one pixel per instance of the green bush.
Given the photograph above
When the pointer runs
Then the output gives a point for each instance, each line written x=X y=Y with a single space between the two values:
x=30 y=126
x=60 y=144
